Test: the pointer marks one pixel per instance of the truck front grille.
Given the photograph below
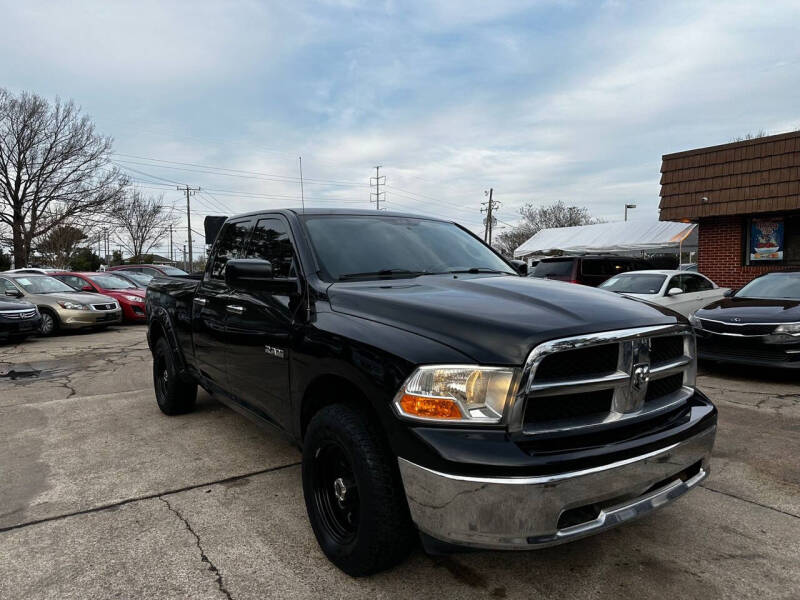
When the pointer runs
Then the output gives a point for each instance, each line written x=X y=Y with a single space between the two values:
x=578 y=384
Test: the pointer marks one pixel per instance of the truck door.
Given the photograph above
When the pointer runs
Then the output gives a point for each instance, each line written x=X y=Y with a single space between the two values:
x=259 y=331
x=210 y=304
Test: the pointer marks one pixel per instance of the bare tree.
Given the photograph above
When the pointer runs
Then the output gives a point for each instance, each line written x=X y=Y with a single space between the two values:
x=143 y=221
x=536 y=218
x=54 y=168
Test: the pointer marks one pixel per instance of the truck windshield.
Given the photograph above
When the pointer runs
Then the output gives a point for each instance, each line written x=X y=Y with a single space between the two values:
x=634 y=284
x=376 y=247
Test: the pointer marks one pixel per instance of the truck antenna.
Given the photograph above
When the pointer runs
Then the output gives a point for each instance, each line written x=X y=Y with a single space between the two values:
x=302 y=196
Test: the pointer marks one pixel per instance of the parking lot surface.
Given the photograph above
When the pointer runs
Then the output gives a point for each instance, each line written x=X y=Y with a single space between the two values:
x=102 y=496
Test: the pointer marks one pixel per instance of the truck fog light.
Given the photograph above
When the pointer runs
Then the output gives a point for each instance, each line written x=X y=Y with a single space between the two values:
x=461 y=393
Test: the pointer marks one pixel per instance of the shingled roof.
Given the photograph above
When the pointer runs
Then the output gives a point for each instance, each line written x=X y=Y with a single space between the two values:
x=754 y=176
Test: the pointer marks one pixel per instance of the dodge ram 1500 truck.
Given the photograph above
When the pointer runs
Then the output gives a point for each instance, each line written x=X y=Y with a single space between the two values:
x=434 y=392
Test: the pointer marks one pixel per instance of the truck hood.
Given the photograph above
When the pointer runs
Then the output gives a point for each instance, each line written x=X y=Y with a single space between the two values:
x=493 y=319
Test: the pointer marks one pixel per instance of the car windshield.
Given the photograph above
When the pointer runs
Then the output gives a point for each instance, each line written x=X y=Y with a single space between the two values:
x=548 y=268
x=172 y=270
x=645 y=283
x=110 y=282
x=42 y=284
x=140 y=278
x=375 y=247
x=772 y=286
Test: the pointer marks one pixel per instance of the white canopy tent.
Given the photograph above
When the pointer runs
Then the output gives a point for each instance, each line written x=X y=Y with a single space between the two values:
x=624 y=236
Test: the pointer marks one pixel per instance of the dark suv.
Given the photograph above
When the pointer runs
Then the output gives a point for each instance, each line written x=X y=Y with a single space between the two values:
x=588 y=270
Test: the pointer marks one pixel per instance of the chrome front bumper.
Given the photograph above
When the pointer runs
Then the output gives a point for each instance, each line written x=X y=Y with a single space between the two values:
x=524 y=512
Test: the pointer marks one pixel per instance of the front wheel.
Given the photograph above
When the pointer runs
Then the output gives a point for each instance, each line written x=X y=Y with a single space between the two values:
x=49 y=324
x=353 y=494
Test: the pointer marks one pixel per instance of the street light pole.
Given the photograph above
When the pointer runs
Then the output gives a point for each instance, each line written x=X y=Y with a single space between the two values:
x=627 y=206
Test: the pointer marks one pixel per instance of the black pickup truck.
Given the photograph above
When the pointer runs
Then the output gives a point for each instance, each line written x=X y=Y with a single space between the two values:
x=435 y=393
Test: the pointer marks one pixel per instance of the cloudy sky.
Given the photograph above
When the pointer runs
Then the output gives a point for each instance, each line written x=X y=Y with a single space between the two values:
x=543 y=101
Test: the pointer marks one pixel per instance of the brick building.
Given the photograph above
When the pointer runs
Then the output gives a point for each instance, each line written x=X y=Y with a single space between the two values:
x=745 y=197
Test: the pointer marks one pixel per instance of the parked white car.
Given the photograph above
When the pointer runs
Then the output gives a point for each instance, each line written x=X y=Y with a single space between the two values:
x=682 y=291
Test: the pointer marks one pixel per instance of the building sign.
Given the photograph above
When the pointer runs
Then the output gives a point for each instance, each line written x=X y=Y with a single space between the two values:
x=766 y=240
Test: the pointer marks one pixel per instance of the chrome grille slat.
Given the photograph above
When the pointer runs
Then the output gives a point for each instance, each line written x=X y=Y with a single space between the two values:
x=629 y=384
x=18 y=314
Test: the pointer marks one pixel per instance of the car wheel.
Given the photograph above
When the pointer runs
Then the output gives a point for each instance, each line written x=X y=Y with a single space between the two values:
x=353 y=494
x=174 y=396
x=49 y=324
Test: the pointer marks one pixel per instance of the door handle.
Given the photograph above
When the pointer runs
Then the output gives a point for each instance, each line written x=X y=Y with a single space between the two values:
x=235 y=308
x=201 y=301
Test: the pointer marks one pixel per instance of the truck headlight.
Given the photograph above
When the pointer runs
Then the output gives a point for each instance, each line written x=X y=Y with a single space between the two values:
x=788 y=328
x=72 y=305
x=456 y=393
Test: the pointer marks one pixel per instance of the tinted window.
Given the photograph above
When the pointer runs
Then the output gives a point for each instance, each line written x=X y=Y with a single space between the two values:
x=229 y=245
x=6 y=286
x=270 y=241
x=559 y=268
x=634 y=284
x=72 y=281
x=605 y=267
x=695 y=283
x=772 y=286
x=350 y=245
x=676 y=282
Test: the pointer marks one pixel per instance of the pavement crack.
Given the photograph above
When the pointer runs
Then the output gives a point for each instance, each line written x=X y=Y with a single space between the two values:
x=753 y=502
x=113 y=505
x=203 y=556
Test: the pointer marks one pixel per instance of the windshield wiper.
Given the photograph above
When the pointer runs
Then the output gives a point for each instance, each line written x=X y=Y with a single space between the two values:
x=384 y=273
x=480 y=270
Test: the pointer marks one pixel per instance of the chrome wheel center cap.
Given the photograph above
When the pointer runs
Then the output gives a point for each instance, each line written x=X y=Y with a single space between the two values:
x=339 y=489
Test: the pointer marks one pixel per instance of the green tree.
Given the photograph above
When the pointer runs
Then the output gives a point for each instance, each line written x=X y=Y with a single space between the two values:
x=84 y=259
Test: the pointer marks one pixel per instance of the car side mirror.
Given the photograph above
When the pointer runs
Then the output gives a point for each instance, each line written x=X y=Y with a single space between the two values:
x=674 y=291
x=256 y=274
x=14 y=293
x=520 y=266
x=729 y=293
x=87 y=288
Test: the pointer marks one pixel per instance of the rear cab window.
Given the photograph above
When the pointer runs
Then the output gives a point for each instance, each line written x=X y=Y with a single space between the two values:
x=557 y=268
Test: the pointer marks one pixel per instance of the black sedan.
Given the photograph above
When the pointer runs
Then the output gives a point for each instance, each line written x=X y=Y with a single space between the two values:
x=18 y=319
x=757 y=325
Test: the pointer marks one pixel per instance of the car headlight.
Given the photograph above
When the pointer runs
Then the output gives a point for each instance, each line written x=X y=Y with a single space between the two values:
x=456 y=393
x=788 y=328
x=132 y=298
x=72 y=305
x=694 y=321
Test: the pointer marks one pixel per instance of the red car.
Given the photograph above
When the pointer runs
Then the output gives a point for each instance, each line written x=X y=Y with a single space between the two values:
x=130 y=297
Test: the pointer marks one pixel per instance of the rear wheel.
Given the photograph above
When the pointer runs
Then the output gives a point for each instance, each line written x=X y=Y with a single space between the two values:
x=174 y=396
x=353 y=494
x=49 y=324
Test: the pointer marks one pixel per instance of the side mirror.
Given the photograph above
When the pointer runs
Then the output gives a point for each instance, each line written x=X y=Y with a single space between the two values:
x=674 y=291
x=87 y=288
x=521 y=267
x=729 y=293
x=14 y=293
x=256 y=274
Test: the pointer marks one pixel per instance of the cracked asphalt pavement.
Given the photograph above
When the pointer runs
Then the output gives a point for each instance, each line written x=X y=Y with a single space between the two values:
x=102 y=496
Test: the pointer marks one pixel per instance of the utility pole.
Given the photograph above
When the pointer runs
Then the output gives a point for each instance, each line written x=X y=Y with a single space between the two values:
x=490 y=207
x=377 y=185
x=184 y=258
x=189 y=192
x=171 y=257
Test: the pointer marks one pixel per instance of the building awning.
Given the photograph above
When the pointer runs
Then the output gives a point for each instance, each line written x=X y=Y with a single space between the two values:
x=610 y=237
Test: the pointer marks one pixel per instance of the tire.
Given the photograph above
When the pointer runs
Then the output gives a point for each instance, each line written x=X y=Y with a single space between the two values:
x=49 y=325
x=173 y=395
x=354 y=497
